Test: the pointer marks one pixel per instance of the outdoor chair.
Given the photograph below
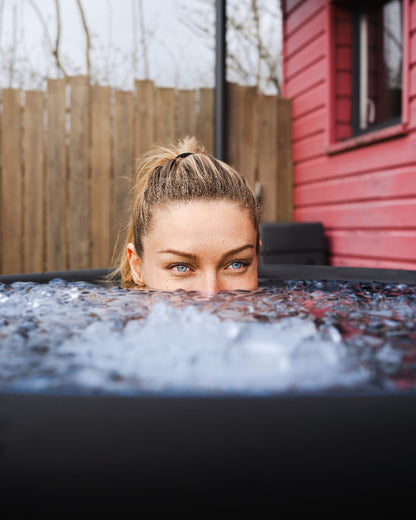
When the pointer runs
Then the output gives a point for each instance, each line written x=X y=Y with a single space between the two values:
x=301 y=243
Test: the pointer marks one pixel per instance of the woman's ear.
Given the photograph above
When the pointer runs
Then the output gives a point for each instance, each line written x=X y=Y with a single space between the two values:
x=259 y=251
x=135 y=264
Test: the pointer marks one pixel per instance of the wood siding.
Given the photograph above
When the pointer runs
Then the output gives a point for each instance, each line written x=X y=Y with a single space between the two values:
x=362 y=190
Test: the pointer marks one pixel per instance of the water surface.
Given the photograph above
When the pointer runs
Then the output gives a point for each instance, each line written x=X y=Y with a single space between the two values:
x=296 y=336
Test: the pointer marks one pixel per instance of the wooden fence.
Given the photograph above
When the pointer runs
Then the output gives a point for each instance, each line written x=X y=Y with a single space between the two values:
x=67 y=155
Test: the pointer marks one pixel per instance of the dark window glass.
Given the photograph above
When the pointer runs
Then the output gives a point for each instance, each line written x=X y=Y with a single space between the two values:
x=377 y=70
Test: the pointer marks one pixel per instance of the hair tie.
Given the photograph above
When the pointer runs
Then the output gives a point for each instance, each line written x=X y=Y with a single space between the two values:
x=180 y=156
x=183 y=155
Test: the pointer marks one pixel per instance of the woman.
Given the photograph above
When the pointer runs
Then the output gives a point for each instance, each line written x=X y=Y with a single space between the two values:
x=194 y=224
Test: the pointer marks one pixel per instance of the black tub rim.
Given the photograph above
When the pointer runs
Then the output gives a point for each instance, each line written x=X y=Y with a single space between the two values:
x=269 y=273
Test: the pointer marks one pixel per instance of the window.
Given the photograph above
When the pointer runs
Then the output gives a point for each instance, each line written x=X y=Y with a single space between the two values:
x=377 y=43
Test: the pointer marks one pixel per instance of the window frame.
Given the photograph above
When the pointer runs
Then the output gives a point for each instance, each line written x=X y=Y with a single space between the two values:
x=357 y=77
x=394 y=127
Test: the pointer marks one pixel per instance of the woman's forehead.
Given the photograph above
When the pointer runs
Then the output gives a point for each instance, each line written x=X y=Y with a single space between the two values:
x=216 y=208
x=200 y=221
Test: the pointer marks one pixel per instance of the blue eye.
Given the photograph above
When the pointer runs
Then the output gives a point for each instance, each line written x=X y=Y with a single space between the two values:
x=236 y=265
x=179 y=268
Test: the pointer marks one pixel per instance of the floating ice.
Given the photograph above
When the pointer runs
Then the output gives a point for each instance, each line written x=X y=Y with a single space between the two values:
x=81 y=338
x=186 y=349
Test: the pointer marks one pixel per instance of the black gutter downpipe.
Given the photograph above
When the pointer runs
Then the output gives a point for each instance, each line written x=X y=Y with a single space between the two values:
x=220 y=81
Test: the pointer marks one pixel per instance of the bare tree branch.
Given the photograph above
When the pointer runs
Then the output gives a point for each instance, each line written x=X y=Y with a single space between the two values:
x=87 y=37
x=47 y=37
x=143 y=40
x=256 y=18
x=108 y=67
x=134 y=38
x=12 y=60
x=253 y=54
x=53 y=50
x=2 y=2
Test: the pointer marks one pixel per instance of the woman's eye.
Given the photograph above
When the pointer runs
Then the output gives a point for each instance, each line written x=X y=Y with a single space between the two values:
x=180 y=268
x=237 y=265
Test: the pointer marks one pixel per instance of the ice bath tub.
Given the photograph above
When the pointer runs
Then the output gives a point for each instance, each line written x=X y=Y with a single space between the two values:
x=309 y=450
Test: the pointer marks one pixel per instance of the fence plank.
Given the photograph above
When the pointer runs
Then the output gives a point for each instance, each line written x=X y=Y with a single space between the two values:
x=78 y=211
x=186 y=117
x=233 y=125
x=165 y=115
x=123 y=163
x=267 y=156
x=56 y=178
x=205 y=119
x=284 y=210
x=145 y=116
x=11 y=203
x=33 y=183
x=77 y=217
x=247 y=134
x=100 y=176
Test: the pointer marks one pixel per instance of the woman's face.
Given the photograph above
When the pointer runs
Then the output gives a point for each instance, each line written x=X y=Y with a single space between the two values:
x=207 y=246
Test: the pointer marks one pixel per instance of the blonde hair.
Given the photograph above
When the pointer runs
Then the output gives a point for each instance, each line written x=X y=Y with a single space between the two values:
x=182 y=172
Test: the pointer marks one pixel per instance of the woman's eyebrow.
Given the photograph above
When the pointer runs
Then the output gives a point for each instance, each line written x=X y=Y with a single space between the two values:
x=239 y=249
x=179 y=253
x=195 y=257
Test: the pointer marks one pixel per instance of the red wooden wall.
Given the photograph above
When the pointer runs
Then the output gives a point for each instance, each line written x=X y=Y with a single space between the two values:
x=362 y=189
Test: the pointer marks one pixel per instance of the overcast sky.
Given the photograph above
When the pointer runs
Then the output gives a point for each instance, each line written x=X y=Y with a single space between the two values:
x=175 y=56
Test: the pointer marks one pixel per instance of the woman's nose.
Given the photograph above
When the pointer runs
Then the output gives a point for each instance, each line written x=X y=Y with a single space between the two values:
x=211 y=283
